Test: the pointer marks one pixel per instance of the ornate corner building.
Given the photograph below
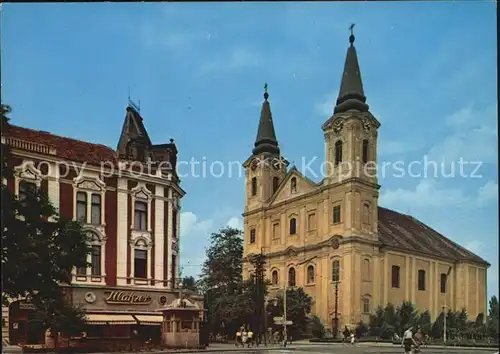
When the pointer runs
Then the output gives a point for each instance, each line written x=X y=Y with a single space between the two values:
x=128 y=200
x=334 y=240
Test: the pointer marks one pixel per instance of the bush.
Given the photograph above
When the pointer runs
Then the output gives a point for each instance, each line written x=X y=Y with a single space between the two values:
x=361 y=329
x=317 y=328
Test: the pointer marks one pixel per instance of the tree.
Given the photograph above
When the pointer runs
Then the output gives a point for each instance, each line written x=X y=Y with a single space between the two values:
x=221 y=280
x=407 y=316
x=189 y=283
x=317 y=327
x=377 y=321
x=298 y=305
x=39 y=251
x=492 y=324
x=424 y=322
x=438 y=326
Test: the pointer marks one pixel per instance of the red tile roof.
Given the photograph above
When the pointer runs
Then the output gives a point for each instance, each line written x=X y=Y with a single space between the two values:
x=404 y=232
x=66 y=148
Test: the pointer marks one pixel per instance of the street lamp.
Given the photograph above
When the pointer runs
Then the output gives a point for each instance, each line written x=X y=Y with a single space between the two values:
x=445 y=287
x=336 y=310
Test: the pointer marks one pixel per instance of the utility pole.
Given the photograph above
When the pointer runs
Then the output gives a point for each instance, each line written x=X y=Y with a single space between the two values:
x=336 y=313
x=284 y=316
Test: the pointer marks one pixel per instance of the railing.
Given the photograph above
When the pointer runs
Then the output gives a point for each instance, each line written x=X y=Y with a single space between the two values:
x=29 y=145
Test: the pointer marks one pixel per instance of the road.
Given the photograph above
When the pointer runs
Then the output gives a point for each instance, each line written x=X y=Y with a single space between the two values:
x=358 y=349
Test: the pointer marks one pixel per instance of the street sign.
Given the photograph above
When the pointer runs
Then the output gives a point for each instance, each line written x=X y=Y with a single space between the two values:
x=280 y=323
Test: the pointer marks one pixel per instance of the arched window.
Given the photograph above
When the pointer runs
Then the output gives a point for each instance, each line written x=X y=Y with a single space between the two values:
x=252 y=236
x=274 y=277
x=293 y=226
x=366 y=305
x=365 y=151
x=310 y=274
x=366 y=213
x=276 y=183
x=443 y=283
x=421 y=279
x=293 y=185
x=366 y=269
x=336 y=270
x=140 y=260
x=291 y=277
x=254 y=186
x=338 y=152
x=395 y=277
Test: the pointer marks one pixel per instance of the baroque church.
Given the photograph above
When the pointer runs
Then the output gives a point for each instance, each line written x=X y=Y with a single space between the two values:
x=333 y=239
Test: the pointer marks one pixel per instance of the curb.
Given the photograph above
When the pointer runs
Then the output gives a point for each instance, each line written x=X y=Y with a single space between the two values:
x=208 y=350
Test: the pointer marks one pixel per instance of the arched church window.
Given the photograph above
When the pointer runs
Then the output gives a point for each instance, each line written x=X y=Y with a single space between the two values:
x=274 y=277
x=365 y=151
x=293 y=226
x=310 y=274
x=338 y=152
x=254 y=186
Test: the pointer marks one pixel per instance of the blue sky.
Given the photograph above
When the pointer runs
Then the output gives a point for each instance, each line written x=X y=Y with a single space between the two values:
x=429 y=72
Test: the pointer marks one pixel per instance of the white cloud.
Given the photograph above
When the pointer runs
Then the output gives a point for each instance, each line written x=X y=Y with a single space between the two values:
x=426 y=194
x=191 y=225
x=235 y=223
x=487 y=193
x=473 y=138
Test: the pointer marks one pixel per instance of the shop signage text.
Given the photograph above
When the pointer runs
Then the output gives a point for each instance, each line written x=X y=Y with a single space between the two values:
x=126 y=298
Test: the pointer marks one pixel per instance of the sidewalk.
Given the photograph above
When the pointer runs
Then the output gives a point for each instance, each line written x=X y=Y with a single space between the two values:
x=217 y=348
x=305 y=343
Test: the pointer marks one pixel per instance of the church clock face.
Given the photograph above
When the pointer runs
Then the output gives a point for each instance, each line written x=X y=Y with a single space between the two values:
x=254 y=164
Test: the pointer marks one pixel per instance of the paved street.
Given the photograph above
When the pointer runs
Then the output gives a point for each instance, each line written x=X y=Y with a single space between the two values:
x=357 y=349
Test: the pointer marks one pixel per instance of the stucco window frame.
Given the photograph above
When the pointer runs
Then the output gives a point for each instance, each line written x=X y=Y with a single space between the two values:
x=293 y=185
x=141 y=194
x=340 y=204
x=147 y=246
x=366 y=297
x=99 y=240
x=366 y=221
x=27 y=171
x=250 y=229
x=290 y=217
x=306 y=282
x=277 y=284
x=421 y=271
x=90 y=186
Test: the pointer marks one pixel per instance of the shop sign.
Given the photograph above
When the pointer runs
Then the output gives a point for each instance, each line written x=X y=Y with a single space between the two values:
x=126 y=298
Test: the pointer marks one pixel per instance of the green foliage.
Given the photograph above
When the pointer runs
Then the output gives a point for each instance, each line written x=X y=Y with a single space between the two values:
x=298 y=305
x=406 y=316
x=492 y=325
x=39 y=251
x=189 y=283
x=424 y=322
x=317 y=327
x=361 y=329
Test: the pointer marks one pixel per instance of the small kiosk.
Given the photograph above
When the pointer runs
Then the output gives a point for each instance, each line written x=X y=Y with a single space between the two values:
x=181 y=323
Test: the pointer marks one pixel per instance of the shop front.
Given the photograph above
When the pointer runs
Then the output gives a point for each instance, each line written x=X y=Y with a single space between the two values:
x=119 y=318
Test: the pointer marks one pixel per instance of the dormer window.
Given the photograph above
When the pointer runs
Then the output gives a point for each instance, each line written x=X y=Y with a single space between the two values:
x=141 y=216
x=293 y=185
x=338 y=152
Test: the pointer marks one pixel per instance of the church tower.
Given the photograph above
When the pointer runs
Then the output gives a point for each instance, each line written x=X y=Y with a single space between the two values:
x=351 y=151
x=265 y=168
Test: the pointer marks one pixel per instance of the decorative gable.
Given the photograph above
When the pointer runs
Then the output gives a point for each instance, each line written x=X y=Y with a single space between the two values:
x=91 y=185
x=294 y=185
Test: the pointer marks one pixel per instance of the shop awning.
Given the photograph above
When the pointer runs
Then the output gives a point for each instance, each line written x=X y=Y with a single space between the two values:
x=104 y=319
x=149 y=319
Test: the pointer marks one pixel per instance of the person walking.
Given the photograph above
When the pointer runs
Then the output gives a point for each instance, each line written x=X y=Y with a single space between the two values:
x=408 y=340
x=238 y=338
x=250 y=338
x=244 y=337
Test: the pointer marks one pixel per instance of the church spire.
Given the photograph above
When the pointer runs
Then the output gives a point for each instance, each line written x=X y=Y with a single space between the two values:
x=265 y=141
x=351 y=94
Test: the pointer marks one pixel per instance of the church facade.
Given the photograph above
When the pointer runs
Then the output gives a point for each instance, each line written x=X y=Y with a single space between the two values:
x=333 y=239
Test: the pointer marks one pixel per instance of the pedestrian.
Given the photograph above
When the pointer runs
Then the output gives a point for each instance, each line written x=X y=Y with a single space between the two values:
x=250 y=338
x=408 y=340
x=352 y=338
x=238 y=338
x=244 y=337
